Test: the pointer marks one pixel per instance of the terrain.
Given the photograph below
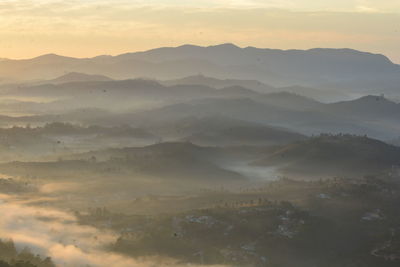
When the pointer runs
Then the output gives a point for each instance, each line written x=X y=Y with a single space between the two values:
x=200 y=156
x=341 y=68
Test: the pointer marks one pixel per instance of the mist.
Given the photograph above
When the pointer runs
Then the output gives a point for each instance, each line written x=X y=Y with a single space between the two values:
x=222 y=155
x=58 y=234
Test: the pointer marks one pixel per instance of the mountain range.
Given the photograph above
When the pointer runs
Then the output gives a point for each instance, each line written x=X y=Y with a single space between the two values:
x=160 y=106
x=344 y=69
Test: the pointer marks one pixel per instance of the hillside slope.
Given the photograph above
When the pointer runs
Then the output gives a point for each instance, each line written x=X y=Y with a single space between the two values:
x=334 y=155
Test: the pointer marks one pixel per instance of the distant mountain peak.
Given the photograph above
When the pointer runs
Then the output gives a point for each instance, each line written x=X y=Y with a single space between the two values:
x=49 y=56
x=288 y=94
x=338 y=69
x=374 y=98
x=221 y=46
x=103 y=56
x=80 y=77
x=186 y=46
x=225 y=46
x=53 y=59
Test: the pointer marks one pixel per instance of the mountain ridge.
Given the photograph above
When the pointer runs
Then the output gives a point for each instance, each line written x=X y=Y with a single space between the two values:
x=319 y=67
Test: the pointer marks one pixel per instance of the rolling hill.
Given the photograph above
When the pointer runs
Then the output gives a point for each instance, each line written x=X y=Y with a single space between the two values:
x=79 y=77
x=329 y=155
x=245 y=135
x=368 y=107
x=221 y=83
x=257 y=86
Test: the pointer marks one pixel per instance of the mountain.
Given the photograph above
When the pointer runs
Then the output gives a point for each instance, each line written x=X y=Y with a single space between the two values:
x=369 y=107
x=223 y=131
x=221 y=83
x=334 y=155
x=126 y=88
x=129 y=94
x=319 y=68
x=303 y=117
x=244 y=109
x=245 y=135
x=189 y=125
x=27 y=143
x=79 y=77
x=164 y=168
x=284 y=67
x=257 y=86
x=325 y=96
x=151 y=89
x=148 y=104
x=293 y=112
x=290 y=101
x=173 y=160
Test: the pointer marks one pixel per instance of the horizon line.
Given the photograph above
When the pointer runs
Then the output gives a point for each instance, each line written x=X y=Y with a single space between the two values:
x=198 y=46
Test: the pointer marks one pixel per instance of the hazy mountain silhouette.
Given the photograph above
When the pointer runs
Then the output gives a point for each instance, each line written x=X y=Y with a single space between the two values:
x=157 y=104
x=322 y=95
x=79 y=77
x=221 y=131
x=287 y=110
x=221 y=83
x=245 y=135
x=150 y=89
x=290 y=101
x=334 y=155
x=339 y=68
x=178 y=160
x=369 y=107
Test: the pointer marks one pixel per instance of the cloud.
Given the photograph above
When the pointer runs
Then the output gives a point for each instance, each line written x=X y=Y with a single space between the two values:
x=57 y=234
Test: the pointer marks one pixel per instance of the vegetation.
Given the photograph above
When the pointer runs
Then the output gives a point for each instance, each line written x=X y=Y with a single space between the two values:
x=10 y=257
x=337 y=222
x=223 y=170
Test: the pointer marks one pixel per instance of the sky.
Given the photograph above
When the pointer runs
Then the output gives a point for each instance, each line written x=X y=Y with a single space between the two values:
x=87 y=28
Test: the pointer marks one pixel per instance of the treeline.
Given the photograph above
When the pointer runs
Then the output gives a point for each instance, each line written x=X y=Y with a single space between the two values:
x=11 y=257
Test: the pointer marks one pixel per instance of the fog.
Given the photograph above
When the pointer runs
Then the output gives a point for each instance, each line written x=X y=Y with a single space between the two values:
x=58 y=234
x=255 y=173
x=222 y=156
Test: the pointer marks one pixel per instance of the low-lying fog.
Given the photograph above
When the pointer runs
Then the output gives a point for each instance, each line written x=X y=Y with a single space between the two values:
x=254 y=173
x=200 y=171
x=57 y=234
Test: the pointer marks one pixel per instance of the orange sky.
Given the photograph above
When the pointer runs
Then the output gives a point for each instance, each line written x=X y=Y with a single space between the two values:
x=87 y=28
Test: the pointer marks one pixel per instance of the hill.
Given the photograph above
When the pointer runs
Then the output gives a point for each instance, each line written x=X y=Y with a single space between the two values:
x=257 y=86
x=245 y=135
x=301 y=116
x=79 y=77
x=368 y=107
x=148 y=104
x=136 y=88
x=163 y=162
x=290 y=101
x=338 y=155
x=223 y=131
x=288 y=223
x=27 y=143
x=221 y=83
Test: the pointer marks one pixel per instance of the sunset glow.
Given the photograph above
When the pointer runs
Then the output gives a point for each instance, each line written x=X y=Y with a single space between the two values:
x=92 y=27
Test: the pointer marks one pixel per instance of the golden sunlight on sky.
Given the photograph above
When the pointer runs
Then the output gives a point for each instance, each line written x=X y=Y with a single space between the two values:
x=88 y=28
